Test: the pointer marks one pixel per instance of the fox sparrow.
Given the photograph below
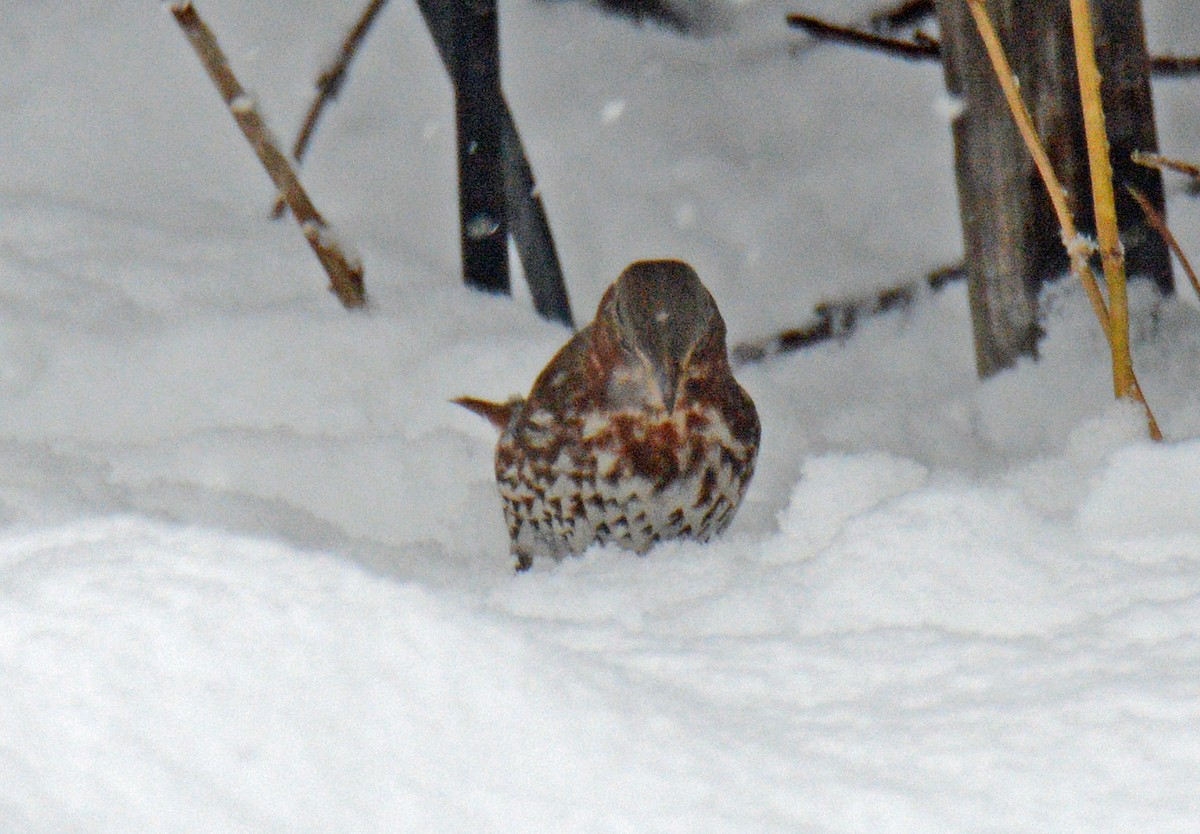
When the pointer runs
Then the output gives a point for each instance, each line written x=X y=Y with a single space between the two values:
x=635 y=432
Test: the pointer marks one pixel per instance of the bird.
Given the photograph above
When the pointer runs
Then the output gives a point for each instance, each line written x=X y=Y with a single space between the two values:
x=635 y=432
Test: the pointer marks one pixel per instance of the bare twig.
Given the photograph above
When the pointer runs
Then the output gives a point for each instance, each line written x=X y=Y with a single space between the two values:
x=838 y=319
x=329 y=85
x=914 y=50
x=922 y=47
x=1175 y=65
x=1160 y=225
x=345 y=275
x=528 y=224
x=1153 y=160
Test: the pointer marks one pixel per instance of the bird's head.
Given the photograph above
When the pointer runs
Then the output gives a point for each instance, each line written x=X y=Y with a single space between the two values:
x=661 y=313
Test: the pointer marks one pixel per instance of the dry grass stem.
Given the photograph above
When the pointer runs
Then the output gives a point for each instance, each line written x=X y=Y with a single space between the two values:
x=329 y=84
x=1103 y=200
x=1104 y=203
x=345 y=275
x=1159 y=223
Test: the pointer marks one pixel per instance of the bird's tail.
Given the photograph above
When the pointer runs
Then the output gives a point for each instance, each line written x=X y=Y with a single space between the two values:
x=498 y=414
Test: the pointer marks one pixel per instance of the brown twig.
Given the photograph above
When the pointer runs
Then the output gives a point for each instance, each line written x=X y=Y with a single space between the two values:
x=1159 y=223
x=915 y=50
x=838 y=319
x=329 y=84
x=1153 y=160
x=345 y=275
x=1175 y=65
x=922 y=47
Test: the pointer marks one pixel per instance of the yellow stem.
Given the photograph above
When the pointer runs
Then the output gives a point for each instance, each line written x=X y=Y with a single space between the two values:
x=1103 y=199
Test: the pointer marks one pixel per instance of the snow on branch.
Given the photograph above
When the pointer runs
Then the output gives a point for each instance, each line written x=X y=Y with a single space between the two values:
x=345 y=273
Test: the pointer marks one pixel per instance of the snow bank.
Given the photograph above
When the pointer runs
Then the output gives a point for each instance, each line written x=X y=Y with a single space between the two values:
x=937 y=658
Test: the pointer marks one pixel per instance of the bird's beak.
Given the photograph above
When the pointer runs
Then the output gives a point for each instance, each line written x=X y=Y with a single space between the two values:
x=666 y=376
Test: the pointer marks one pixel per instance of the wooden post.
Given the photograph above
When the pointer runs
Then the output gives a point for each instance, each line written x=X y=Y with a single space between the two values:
x=1011 y=238
x=475 y=72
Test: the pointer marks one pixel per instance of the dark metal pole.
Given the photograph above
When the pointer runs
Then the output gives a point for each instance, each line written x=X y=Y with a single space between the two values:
x=527 y=216
x=475 y=72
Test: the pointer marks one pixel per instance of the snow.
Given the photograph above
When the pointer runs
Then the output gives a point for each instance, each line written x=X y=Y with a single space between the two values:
x=243 y=103
x=253 y=569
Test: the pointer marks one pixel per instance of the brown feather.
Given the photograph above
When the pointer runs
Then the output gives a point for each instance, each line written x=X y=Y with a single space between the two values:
x=635 y=432
x=498 y=414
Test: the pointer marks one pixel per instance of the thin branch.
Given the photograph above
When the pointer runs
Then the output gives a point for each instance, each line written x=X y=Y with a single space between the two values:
x=329 y=85
x=1175 y=65
x=345 y=275
x=1153 y=160
x=925 y=49
x=922 y=47
x=1155 y=218
x=528 y=224
x=838 y=319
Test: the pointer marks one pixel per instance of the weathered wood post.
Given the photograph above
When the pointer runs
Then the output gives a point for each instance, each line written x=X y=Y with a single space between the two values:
x=1011 y=238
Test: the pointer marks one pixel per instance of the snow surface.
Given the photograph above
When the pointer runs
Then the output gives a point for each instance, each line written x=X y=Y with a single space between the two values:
x=253 y=572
